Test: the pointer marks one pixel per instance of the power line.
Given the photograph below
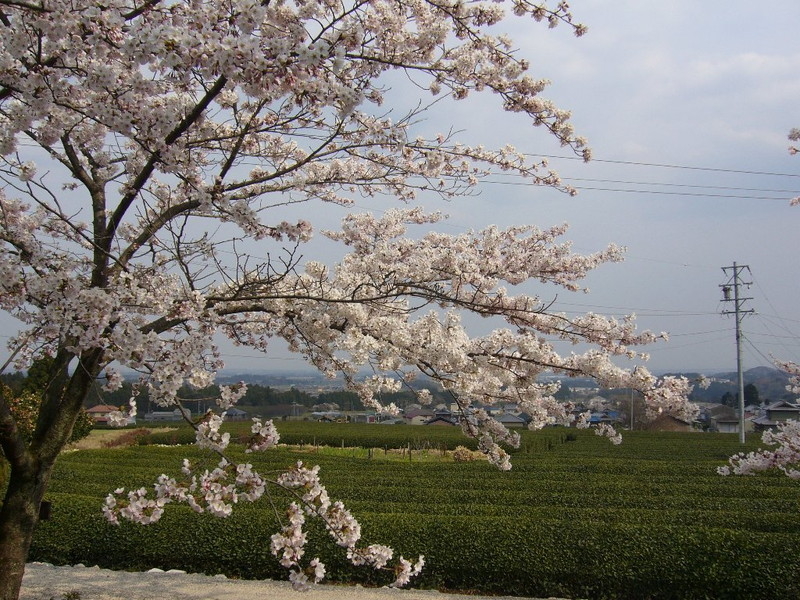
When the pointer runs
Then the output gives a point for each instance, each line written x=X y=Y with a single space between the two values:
x=640 y=312
x=686 y=185
x=664 y=184
x=652 y=192
x=768 y=360
x=668 y=166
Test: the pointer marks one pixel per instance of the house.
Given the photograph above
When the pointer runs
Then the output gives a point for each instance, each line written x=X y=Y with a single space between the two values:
x=235 y=414
x=330 y=416
x=100 y=412
x=418 y=416
x=777 y=412
x=440 y=420
x=511 y=420
x=605 y=416
x=363 y=417
x=166 y=415
x=666 y=422
x=720 y=417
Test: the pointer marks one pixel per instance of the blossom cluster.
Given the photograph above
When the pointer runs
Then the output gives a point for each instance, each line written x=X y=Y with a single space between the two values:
x=785 y=456
x=214 y=491
x=288 y=544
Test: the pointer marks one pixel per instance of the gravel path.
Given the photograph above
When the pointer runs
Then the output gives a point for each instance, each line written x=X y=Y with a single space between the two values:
x=47 y=582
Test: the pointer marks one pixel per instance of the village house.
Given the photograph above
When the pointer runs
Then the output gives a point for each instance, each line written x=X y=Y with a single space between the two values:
x=776 y=413
x=100 y=412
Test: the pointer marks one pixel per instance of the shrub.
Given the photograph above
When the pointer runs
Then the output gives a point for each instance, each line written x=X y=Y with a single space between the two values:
x=464 y=454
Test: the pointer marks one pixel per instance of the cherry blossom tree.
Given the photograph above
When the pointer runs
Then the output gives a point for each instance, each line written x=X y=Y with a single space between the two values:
x=150 y=152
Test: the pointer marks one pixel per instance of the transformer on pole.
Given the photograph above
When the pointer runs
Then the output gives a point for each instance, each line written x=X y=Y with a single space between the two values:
x=730 y=293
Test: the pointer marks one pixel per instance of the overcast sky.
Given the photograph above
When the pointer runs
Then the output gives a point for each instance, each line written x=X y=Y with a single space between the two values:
x=687 y=106
x=707 y=85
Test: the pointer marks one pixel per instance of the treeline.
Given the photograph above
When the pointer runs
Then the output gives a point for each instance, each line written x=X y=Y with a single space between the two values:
x=257 y=395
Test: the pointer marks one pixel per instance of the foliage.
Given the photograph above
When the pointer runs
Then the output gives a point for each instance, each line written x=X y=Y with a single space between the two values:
x=25 y=399
x=751 y=394
x=25 y=408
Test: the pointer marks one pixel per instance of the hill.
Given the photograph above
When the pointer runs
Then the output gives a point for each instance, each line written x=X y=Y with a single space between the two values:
x=770 y=382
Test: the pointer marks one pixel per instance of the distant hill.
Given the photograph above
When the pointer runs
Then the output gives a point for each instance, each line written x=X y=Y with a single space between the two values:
x=770 y=382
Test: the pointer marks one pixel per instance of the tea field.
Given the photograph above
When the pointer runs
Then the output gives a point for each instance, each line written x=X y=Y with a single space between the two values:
x=576 y=517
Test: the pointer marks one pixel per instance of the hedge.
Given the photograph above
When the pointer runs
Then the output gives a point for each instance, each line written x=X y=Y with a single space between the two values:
x=529 y=555
x=582 y=519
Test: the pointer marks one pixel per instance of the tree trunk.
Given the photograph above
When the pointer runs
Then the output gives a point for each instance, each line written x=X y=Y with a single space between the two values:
x=32 y=463
x=18 y=518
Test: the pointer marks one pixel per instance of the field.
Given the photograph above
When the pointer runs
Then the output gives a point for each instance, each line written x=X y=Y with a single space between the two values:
x=576 y=516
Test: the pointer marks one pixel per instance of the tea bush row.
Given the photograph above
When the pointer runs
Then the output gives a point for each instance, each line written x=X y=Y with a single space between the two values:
x=529 y=554
x=654 y=521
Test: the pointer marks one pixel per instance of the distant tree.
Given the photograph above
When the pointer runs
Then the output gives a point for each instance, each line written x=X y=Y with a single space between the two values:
x=729 y=399
x=346 y=399
x=260 y=395
x=751 y=394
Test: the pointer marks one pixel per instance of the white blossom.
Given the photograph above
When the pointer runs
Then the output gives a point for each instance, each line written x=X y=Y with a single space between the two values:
x=184 y=152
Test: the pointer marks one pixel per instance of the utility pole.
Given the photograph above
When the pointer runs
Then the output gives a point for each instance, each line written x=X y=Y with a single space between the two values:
x=730 y=293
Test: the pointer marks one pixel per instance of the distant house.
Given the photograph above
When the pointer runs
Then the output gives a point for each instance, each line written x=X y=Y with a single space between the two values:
x=605 y=416
x=720 y=418
x=506 y=408
x=440 y=420
x=728 y=425
x=418 y=416
x=665 y=422
x=100 y=412
x=330 y=416
x=512 y=420
x=166 y=415
x=363 y=417
x=777 y=412
x=235 y=414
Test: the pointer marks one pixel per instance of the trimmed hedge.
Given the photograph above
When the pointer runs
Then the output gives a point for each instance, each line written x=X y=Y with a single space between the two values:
x=528 y=555
x=360 y=435
x=580 y=519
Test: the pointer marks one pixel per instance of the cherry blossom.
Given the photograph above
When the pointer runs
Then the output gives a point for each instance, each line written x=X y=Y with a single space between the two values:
x=785 y=456
x=151 y=156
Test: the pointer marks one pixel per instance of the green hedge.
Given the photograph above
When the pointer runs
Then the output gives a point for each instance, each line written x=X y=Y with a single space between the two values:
x=528 y=555
x=362 y=436
x=580 y=519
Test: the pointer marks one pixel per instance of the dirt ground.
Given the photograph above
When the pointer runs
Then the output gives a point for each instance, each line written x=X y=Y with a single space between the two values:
x=46 y=582
x=103 y=438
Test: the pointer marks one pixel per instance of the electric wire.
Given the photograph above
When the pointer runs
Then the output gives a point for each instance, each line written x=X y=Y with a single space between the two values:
x=667 y=166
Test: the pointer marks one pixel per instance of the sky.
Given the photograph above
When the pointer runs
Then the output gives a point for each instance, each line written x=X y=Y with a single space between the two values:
x=687 y=106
